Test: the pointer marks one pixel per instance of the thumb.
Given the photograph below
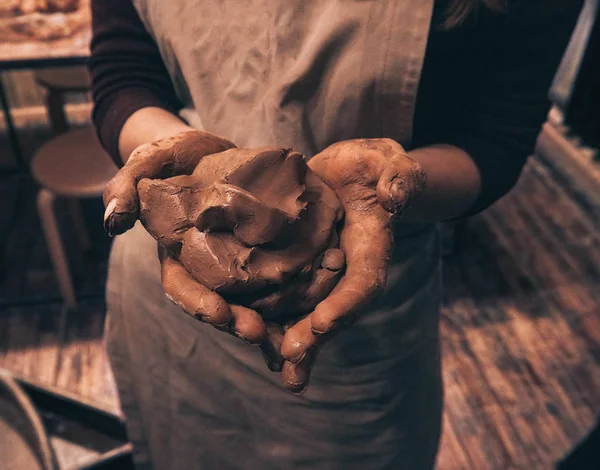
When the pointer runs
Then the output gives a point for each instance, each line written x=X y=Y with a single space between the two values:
x=120 y=194
x=121 y=203
x=402 y=178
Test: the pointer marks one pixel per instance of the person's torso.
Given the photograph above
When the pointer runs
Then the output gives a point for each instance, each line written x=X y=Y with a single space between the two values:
x=294 y=73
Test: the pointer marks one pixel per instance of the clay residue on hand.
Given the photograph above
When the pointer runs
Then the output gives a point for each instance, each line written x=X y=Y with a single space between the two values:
x=256 y=226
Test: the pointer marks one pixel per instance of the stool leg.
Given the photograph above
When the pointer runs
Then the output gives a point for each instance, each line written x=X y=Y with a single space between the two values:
x=45 y=203
x=79 y=224
x=56 y=112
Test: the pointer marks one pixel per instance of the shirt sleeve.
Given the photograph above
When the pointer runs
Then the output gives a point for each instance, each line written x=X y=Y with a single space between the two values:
x=502 y=113
x=126 y=69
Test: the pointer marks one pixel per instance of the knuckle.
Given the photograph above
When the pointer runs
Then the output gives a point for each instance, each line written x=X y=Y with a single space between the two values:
x=323 y=319
x=375 y=285
x=140 y=151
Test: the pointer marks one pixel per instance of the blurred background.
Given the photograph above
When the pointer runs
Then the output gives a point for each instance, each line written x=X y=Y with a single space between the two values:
x=521 y=316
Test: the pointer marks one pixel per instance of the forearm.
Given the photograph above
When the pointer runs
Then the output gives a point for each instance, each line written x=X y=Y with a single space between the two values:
x=147 y=125
x=453 y=184
x=128 y=76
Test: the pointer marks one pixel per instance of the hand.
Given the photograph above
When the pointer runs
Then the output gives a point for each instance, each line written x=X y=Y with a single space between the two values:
x=235 y=223
x=375 y=180
x=171 y=156
x=207 y=306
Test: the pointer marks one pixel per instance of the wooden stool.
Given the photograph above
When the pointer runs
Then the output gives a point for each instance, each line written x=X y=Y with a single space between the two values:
x=72 y=165
x=57 y=83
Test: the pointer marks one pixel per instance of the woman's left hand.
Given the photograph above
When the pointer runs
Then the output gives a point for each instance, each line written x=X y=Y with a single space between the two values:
x=375 y=180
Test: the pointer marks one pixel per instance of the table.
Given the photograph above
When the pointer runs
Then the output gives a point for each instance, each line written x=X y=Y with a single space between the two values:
x=70 y=51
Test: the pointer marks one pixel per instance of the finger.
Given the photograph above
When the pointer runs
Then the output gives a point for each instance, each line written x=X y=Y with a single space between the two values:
x=278 y=304
x=298 y=340
x=271 y=347
x=366 y=241
x=191 y=296
x=400 y=181
x=248 y=325
x=324 y=280
x=178 y=154
x=296 y=376
x=207 y=306
x=333 y=260
x=304 y=293
x=120 y=194
x=121 y=202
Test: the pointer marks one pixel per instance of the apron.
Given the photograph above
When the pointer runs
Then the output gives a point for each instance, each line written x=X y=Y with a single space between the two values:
x=300 y=74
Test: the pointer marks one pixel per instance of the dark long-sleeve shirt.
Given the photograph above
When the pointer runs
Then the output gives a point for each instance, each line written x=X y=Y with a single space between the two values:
x=483 y=87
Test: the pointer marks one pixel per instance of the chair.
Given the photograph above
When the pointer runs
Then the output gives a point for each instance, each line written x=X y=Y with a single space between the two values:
x=72 y=165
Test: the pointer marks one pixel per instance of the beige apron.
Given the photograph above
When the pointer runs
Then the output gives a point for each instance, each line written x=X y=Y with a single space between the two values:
x=302 y=74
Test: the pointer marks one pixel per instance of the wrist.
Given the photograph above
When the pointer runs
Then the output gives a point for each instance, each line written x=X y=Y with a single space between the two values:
x=453 y=183
x=148 y=125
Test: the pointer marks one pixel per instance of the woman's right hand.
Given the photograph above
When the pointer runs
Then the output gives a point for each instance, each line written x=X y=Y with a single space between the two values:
x=171 y=156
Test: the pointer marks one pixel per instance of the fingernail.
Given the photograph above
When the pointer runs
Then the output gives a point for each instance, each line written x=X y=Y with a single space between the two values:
x=398 y=194
x=318 y=332
x=297 y=358
x=334 y=259
x=209 y=319
x=322 y=329
x=255 y=342
x=109 y=210
x=296 y=388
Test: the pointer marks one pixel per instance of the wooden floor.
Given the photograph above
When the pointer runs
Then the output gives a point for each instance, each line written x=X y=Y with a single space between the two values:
x=521 y=325
x=521 y=331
